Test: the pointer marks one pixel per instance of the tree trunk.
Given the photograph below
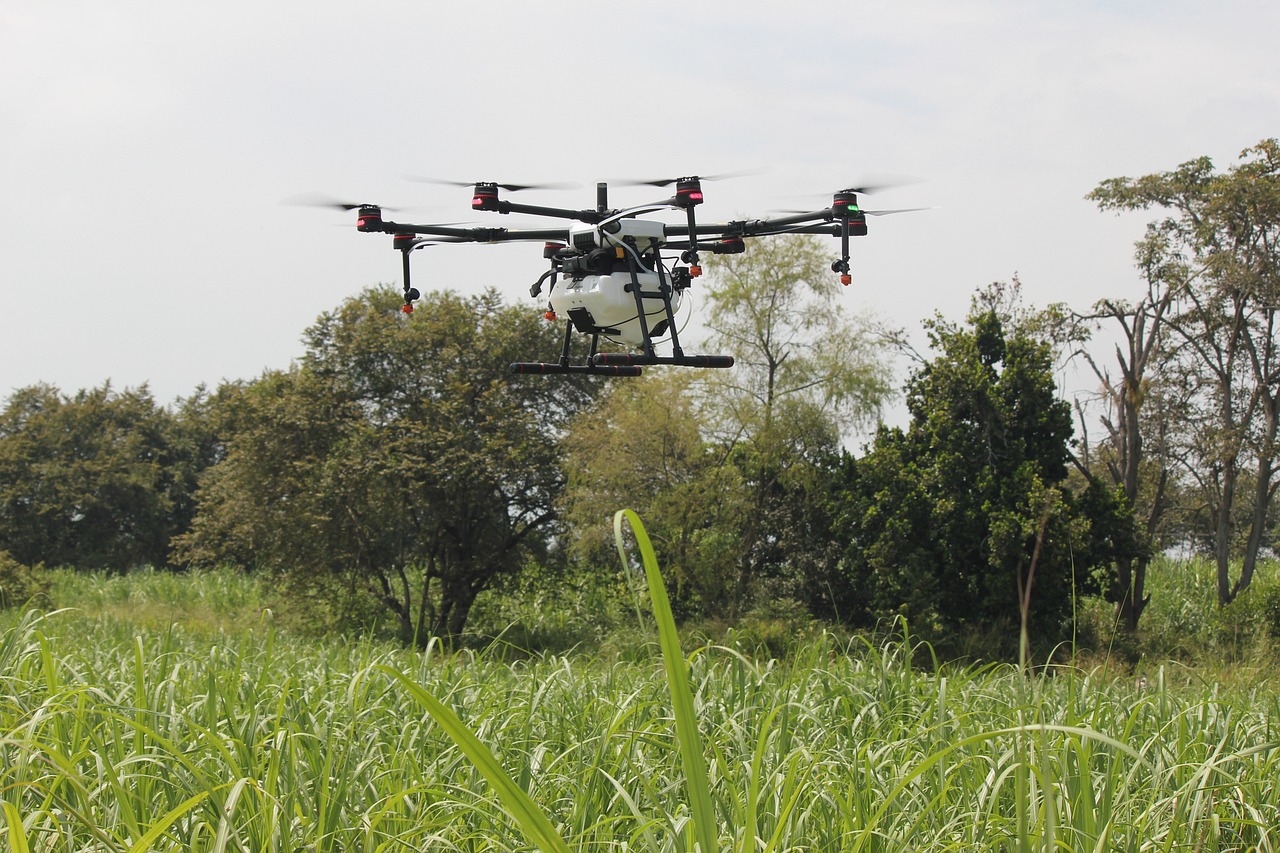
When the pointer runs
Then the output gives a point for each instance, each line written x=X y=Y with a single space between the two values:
x=1257 y=526
x=1132 y=575
x=1262 y=495
x=1222 y=536
x=457 y=595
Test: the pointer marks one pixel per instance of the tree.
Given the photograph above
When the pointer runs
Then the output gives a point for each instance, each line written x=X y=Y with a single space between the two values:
x=1135 y=454
x=644 y=447
x=398 y=460
x=21 y=586
x=88 y=480
x=798 y=352
x=964 y=521
x=807 y=374
x=731 y=469
x=1218 y=252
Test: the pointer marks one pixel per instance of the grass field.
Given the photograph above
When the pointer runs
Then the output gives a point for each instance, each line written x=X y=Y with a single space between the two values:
x=169 y=713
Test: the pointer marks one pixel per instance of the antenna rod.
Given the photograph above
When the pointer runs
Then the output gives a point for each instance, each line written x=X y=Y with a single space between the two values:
x=602 y=198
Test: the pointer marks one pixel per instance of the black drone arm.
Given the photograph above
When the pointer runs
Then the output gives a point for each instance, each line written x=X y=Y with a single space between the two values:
x=497 y=205
x=449 y=234
x=758 y=228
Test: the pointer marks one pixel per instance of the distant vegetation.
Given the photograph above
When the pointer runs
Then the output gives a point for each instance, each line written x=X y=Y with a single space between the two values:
x=602 y=614
x=397 y=477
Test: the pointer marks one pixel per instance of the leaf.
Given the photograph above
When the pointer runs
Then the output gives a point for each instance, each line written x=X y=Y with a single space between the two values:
x=17 y=835
x=691 y=755
x=161 y=826
x=528 y=816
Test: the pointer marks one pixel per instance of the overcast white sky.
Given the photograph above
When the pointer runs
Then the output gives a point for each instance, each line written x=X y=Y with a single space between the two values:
x=145 y=148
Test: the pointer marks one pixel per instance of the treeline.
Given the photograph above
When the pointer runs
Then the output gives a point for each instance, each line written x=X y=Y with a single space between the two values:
x=397 y=471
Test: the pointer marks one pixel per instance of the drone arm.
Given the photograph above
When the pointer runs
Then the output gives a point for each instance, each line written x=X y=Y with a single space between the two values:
x=798 y=218
x=496 y=205
x=754 y=228
x=447 y=234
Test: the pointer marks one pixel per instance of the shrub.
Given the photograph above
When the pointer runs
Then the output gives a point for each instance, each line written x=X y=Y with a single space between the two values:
x=21 y=585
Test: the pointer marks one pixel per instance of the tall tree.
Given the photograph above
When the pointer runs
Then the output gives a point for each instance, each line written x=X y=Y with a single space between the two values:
x=1134 y=454
x=964 y=521
x=398 y=460
x=1218 y=251
x=808 y=373
x=779 y=310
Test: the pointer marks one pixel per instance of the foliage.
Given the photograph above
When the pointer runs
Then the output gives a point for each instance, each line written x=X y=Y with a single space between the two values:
x=398 y=462
x=1217 y=253
x=644 y=445
x=99 y=479
x=553 y=608
x=532 y=820
x=802 y=362
x=213 y=603
x=1185 y=624
x=807 y=374
x=116 y=737
x=732 y=469
x=21 y=585
x=964 y=521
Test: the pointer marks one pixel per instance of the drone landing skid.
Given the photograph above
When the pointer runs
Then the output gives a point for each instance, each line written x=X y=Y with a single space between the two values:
x=620 y=359
x=565 y=366
x=542 y=367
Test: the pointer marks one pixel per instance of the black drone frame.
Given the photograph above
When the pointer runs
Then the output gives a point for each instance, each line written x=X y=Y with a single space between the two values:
x=843 y=219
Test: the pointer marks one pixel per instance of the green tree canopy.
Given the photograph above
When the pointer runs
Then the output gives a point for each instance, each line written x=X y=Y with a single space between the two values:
x=398 y=460
x=964 y=519
x=804 y=363
x=809 y=373
x=644 y=447
x=1215 y=256
x=92 y=480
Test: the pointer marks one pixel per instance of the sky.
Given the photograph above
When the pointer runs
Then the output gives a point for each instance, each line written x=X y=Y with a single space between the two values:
x=146 y=149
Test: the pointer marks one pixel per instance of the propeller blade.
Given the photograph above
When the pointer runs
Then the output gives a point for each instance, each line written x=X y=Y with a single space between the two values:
x=879 y=183
x=322 y=200
x=868 y=212
x=899 y=210
x=666 y=182
x=562 y=185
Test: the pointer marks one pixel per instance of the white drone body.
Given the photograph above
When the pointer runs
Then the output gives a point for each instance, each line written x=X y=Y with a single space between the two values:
x=607 y=298
x=611 y=306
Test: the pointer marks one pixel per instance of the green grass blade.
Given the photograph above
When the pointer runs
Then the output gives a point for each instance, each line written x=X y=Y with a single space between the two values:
x=161 y=826
x=691 y=755
x=17 y=835
x=532 y=821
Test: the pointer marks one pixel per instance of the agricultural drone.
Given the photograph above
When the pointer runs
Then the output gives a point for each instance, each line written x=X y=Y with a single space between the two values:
x=607 y=276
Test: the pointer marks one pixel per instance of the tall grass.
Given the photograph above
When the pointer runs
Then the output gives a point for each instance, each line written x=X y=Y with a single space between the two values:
x=118 y=735
x=1184 y=622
